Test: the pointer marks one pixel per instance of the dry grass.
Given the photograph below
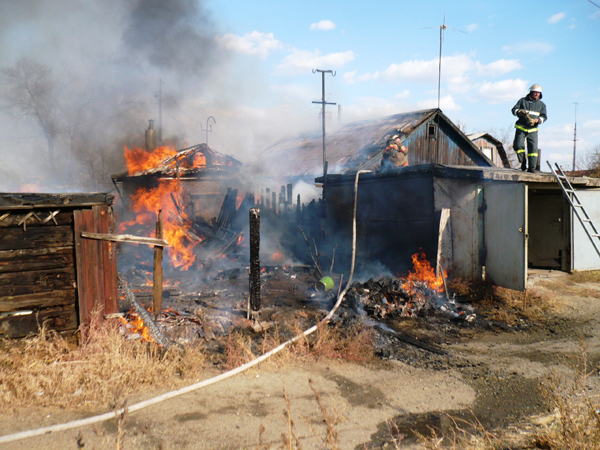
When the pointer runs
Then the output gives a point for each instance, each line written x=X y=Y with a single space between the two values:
x=47 y=370
x=353 y=344
x=576 y=406
x=507 y=305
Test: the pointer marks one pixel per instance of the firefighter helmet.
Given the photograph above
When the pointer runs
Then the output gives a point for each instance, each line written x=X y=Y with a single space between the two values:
x=535 y=88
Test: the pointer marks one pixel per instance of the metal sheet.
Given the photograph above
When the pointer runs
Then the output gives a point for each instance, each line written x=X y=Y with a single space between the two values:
x=506 y=235
x=584 y=254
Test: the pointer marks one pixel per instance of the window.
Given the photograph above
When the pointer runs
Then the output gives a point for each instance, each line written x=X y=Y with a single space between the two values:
x=431 y=130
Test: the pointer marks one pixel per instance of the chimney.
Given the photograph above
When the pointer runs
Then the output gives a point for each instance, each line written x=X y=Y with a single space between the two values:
x=150 y=137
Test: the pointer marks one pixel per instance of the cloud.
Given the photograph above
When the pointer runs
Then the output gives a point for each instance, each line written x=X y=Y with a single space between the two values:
x=453 y=69
x=500 y=67
x=323 y=25
x=255 y=43
x=447 y=103
x=403 y=94
x=349 y=77
x=556 y=18
x=472 y=27
x=503 y=91
x=538 y=47
x=300 y=61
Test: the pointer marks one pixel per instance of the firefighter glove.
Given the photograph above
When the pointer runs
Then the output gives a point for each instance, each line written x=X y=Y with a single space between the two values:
x=521 y=113
x=530 y=121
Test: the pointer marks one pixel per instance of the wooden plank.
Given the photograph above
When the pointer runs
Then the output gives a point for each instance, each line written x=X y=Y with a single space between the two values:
x=36 y=259
x=19 y=283
x=109 y=262
x=35 y=237
x=125 y=238
x=15 y=217
x=84 y=279
x=59 y=319
x=37 y=300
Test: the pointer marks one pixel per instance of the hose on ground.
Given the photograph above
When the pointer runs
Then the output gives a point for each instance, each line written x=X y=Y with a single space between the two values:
x=201 y=384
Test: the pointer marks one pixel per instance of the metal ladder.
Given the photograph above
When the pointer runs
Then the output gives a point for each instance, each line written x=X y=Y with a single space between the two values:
x=570 y=195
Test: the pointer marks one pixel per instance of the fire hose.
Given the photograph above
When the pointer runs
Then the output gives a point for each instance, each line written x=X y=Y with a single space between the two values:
x=201 y=384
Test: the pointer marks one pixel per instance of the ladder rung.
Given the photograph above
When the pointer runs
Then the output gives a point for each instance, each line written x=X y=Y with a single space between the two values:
x=595 y=235
x=569 y=190
x=585 y=220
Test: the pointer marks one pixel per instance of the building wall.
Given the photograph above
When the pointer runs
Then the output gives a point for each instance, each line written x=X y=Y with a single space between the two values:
x=486 y=146
x=423 y=148
x=395 y=219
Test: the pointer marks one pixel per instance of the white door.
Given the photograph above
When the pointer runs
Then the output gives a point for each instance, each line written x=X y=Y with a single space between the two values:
x=505 y=228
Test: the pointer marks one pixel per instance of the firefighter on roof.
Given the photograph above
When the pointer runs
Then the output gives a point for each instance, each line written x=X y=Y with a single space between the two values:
x=531 y=112
x=395 y=154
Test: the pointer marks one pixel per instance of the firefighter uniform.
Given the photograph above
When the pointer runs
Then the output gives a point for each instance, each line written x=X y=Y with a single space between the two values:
x=395 y=155
x=527 y=110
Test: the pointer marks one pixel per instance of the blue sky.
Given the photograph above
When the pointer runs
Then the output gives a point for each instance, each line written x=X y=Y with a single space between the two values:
x=385 y=55
x=249 y=66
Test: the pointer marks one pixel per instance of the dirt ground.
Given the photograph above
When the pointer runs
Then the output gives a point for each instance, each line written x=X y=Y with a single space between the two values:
x=491 y=372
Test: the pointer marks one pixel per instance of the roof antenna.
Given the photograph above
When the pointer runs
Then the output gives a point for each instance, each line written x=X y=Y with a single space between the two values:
x=442 y=27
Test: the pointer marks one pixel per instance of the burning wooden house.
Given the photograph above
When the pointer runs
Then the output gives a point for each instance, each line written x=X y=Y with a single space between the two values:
x=196 y=190
x=51 y=275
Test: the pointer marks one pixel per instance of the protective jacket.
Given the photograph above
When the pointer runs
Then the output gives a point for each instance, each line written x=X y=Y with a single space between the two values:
x=394 y=156
x=536 y=109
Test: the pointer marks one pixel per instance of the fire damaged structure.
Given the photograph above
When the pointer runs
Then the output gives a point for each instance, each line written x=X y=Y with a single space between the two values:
x=429 y=135
x=203 y=174
x=458 y=201
x=50 y=274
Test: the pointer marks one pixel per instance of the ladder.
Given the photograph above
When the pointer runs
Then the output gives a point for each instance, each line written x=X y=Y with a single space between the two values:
x=582 y=215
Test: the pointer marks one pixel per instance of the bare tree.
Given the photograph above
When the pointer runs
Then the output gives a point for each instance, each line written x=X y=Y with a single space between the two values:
x=506 y=135
x=592 y=161
x=29 y=92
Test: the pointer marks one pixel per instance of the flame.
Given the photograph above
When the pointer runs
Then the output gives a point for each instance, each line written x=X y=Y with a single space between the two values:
x=138 y=159
x=146 y=203
x=277 y=256
x=241 y=239
x=424 y=273
x=137 y=325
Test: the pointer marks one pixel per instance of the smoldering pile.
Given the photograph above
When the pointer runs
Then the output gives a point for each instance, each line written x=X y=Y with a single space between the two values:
x=396 y=297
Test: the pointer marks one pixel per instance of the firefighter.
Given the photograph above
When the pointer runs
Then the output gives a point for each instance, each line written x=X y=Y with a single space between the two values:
x=395 y=154
x=531 y=112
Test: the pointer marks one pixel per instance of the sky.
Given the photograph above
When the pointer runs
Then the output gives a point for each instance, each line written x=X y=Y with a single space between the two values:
x=240 y=74
x=385 y=55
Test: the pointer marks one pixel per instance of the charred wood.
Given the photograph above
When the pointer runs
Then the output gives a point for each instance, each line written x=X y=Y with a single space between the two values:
x=255 y=301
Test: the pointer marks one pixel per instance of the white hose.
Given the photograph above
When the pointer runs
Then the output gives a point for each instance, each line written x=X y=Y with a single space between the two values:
x=110 y=415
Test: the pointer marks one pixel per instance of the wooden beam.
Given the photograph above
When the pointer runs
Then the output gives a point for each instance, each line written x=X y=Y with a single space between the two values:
x=158 y=272
x=125 y=238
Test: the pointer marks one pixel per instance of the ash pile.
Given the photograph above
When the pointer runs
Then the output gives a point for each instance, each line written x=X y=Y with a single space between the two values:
x=393 y=298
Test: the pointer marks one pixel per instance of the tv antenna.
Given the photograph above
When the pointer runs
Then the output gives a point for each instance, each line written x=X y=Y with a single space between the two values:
x=443 y=27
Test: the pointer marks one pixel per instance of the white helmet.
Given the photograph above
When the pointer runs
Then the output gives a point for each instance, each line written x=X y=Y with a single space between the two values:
x=536 y=88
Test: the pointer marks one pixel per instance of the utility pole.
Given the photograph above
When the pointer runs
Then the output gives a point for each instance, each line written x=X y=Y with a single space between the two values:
x=575 y=137
x=323 y=103
x=207 y=127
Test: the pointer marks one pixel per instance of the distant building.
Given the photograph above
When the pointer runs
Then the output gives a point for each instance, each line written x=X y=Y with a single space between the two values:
x=491 y=147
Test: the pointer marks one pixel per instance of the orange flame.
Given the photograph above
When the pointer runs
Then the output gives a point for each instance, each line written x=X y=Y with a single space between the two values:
x=138 y=159
x=137 y=325
x=277 y=256
x=424 y=273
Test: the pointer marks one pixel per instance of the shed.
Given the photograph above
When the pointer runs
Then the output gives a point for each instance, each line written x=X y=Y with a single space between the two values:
x=491 y=147
x=49 y=274
x=501 y=223
x=430 y=136
x=204 y=175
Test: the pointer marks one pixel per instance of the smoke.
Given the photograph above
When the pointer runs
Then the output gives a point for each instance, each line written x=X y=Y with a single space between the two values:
x=105 y=60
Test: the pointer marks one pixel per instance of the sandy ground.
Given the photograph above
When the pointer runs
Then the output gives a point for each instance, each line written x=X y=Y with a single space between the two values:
x=493 y=375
